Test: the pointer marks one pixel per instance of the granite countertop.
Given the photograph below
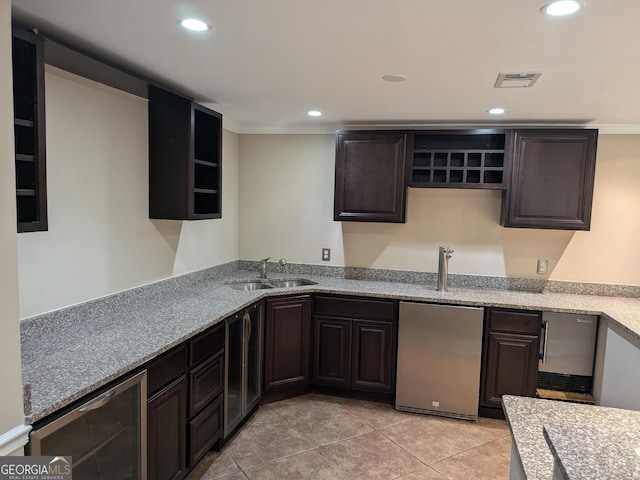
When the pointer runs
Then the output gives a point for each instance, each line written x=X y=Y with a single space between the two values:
x=72 y=352
x=586 y=452
x=589 y=442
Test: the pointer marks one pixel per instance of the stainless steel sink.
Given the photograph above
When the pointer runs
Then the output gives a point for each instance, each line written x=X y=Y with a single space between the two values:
x=249 y=285
x=295 y=282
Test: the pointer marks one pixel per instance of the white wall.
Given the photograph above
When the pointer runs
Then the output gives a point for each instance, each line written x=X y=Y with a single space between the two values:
x=11 y=414
x=286 y=209
x=615 y=384
x=100 y=239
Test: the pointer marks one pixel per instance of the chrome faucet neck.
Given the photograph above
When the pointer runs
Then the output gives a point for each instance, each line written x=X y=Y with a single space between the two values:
x=263 y=267
x=444 y=254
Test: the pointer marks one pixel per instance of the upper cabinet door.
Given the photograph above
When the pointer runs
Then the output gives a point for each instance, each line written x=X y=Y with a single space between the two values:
x=370 y=177
x=552 y=179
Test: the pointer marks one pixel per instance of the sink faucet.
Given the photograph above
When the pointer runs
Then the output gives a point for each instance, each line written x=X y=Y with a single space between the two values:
x=444 y=254
x=263 y=267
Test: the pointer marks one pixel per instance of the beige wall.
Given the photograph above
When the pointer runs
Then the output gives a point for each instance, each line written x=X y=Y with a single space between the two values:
x=286 y=209
x=11 y=414
x=100 y=239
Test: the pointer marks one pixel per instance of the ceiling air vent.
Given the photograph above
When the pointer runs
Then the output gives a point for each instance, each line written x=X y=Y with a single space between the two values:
x=517 y=80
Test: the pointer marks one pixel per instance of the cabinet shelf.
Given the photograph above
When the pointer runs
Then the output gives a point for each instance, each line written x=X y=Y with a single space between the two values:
x=204 y=190
x=25 y=192
x=469 y=159
x=22 y=122
x=205 y=163
x=25 y=158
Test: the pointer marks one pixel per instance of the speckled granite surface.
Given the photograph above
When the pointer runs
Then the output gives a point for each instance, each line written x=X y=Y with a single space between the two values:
x=69 y=353
x=587 y=438
x=584 y=452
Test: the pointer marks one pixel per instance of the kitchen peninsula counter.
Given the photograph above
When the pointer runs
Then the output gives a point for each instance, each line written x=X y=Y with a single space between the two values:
x=572 y=441
x=69 y=353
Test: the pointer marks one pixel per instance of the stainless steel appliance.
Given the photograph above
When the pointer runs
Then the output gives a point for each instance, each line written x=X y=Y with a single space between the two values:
x=439 y=355
x=243 y=365
x=567 y=351
x=106 y=436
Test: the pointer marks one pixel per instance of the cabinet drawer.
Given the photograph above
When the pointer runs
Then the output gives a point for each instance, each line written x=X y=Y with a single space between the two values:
x=355 y=308
x=527 y=323
x=205 y=430
x=164 y=369
x=206 y=382
x=206 y=344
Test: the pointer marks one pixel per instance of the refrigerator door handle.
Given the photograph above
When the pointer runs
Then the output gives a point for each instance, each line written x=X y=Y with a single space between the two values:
x=543 y=346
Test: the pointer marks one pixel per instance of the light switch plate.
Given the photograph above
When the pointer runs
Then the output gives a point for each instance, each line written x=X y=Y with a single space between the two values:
x=543 y=266
x=326 y=254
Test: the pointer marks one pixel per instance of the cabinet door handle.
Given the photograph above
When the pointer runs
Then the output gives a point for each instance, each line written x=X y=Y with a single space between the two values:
x=97 y=402
x=543 y=347
x=249 y=327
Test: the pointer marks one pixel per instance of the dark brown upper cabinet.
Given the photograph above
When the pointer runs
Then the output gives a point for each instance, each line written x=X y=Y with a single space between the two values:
x=185 y=154
x=29 y=131
x=552 y=179
x=457 y=159
x=370 y=176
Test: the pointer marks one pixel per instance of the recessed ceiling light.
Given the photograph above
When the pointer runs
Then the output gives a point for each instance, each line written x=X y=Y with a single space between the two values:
x=314 y=113
x=394 y=78
x=496 y=111
x=561 y=8
x=194 y=25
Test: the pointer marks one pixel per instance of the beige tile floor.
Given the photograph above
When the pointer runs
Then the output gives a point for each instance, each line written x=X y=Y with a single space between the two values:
x=324 y=437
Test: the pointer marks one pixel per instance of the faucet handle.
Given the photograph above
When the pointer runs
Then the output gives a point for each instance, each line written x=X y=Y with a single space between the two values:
x=282 y=262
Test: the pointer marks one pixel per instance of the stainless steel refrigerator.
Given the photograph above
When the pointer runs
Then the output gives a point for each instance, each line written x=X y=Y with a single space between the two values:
x=567 y=351
x=439 y=354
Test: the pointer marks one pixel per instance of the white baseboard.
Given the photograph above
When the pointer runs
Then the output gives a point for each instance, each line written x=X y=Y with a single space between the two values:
x=14 y=440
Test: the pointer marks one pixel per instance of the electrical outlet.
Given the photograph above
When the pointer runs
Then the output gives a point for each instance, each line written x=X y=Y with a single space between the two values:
x=326 y=254
x=543 y=266
x=435 y=404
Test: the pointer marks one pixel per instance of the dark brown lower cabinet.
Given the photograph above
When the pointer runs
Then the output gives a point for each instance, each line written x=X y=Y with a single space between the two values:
x=167 y=444
x=510 y=359
x=355 y=344
x=332 y=349
x=287 y=348
x=185 y=404
x=371 y=356
x=205 y=429
x=167 y=416
x=206 y=392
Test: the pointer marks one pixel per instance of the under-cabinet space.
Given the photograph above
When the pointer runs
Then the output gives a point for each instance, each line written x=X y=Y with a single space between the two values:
x=464 y=159
x=29 y=130
x=185 y=150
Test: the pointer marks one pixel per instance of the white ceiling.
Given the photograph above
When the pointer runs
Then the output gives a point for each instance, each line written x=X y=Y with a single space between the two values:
x=265 y=63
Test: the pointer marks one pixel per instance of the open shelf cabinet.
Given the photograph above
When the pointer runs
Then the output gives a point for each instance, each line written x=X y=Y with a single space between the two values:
x=463 y=159
x=29 y=131
x=185 y=150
